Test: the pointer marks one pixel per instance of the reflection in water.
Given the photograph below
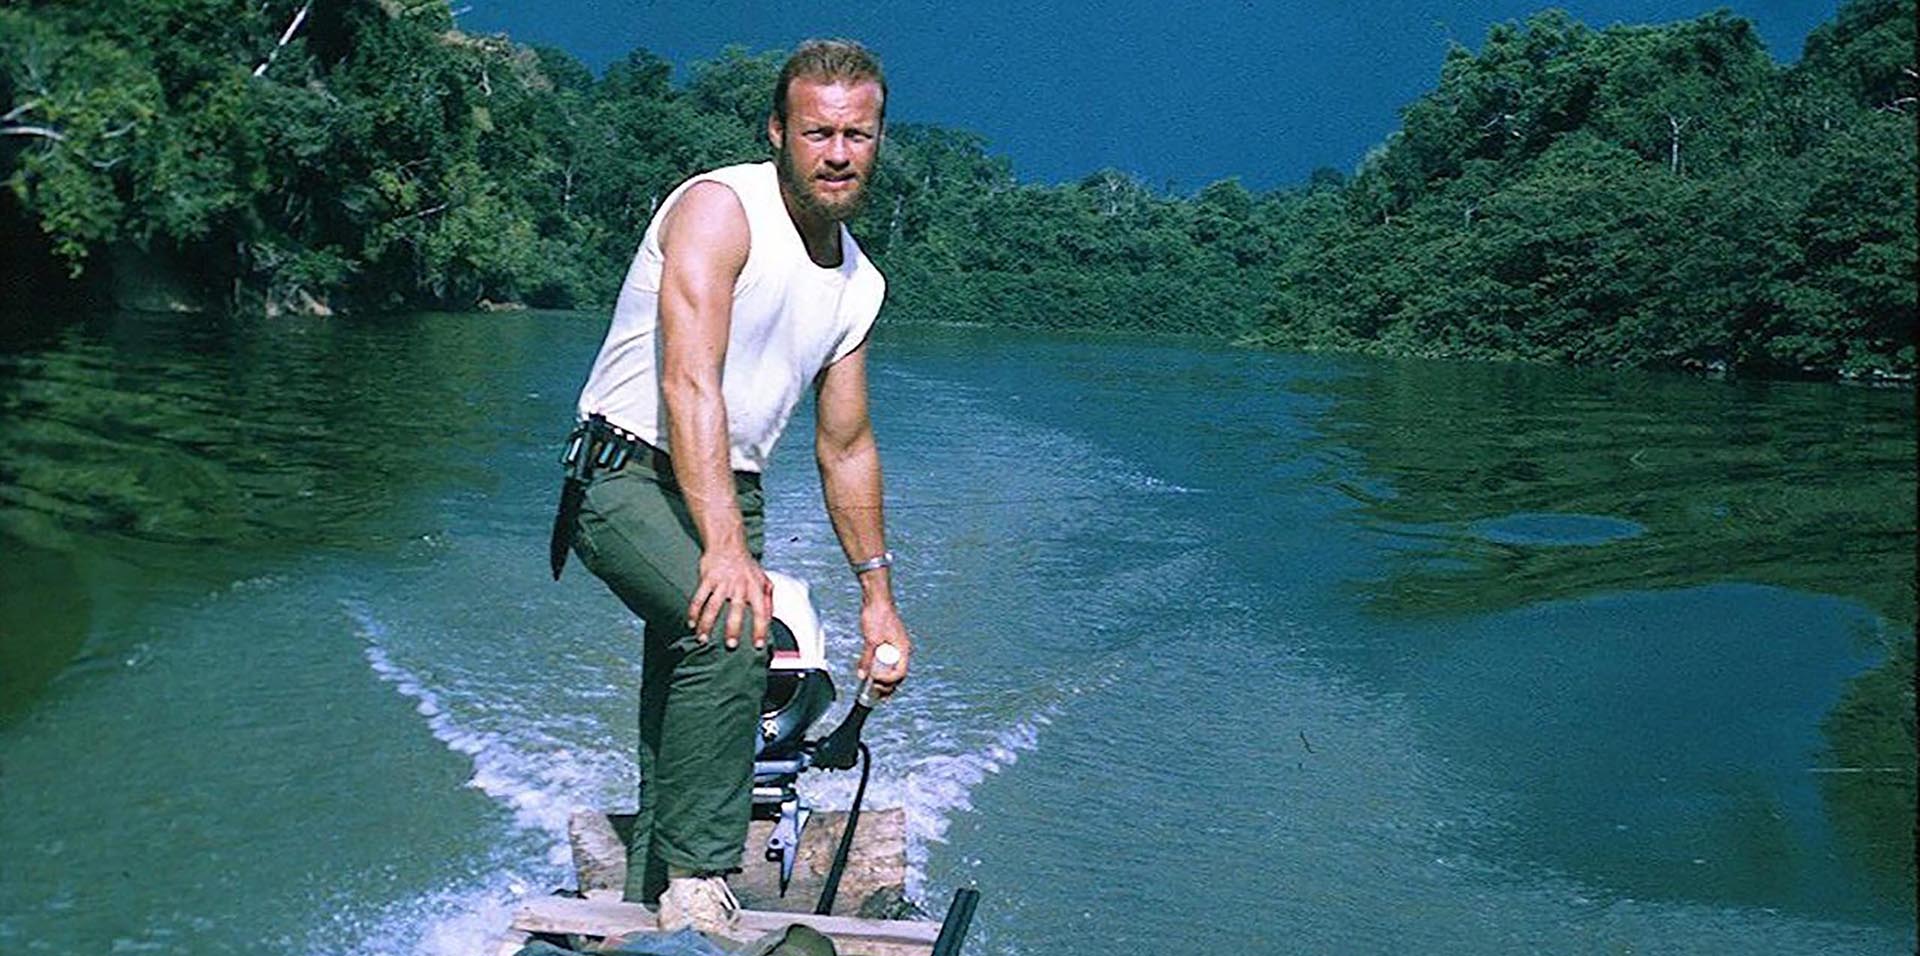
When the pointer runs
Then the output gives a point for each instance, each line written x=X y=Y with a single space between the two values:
x=291 y=433
x=1655 y=742
x=131 y=432
x=1665 y=483
x=1800 y=485
x=1555 y=529
x=184 y=504
x=1870 y=780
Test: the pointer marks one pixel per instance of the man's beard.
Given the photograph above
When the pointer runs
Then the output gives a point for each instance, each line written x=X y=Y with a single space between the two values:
x=801 y=187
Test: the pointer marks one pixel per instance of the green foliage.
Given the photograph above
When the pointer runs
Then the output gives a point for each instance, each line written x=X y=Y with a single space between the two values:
x=1865 y=52
x=1639 y=195
x=80 y=103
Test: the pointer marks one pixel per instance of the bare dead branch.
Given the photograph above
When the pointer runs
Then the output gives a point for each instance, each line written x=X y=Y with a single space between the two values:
x=285 y=38
x=40 y=131
x=19 y=111
x=421 y=212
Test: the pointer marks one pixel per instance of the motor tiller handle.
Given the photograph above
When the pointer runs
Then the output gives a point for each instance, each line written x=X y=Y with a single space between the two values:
x=839 y=749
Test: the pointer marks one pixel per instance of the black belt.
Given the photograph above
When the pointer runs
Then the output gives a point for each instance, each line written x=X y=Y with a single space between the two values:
x=595 y=445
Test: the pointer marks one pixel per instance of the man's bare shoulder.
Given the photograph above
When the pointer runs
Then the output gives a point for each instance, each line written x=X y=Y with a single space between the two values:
x=707 y=220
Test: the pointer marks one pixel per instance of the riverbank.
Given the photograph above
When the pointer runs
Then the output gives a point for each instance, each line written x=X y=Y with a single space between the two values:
x=1644 y=196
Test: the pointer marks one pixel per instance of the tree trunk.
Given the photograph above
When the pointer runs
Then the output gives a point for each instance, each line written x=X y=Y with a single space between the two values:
x=1674 y=126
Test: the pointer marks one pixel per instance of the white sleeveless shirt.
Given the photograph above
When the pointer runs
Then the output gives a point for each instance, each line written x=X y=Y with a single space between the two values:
x=791 y=319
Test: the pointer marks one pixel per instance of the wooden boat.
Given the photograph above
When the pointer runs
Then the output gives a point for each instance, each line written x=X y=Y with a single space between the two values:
x=871 y=915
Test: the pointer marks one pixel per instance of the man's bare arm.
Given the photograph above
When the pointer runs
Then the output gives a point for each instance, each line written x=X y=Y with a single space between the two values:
x=705 y=241
x=850 y=479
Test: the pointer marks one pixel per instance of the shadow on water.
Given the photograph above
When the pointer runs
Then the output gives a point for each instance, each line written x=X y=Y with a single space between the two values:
x=1511 y=499
x=43 y=620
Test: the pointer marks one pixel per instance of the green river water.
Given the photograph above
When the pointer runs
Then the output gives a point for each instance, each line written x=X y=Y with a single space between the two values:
x=1221 y=651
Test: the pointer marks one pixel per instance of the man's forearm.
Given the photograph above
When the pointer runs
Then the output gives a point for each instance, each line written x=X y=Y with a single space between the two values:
x=850 y=479
x=697 y=435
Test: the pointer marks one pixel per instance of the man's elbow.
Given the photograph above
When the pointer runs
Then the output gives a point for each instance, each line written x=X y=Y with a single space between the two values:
x=687 y=388
x=834 y=451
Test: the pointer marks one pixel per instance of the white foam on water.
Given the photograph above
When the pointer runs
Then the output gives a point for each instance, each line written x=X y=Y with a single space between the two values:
x=933 y=785
x=941 y=740
x=1141 y=481
x=529 y=772
x=460 y=919
x=931 y=768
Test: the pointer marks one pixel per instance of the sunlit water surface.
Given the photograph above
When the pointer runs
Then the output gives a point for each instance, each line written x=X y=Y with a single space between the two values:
x=1221 y=651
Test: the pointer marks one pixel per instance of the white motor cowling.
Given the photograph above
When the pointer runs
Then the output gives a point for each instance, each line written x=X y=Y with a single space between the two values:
x=799 y=686
x=793 y=607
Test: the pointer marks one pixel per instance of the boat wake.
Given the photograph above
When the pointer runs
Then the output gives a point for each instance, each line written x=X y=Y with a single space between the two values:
x=542 y=705
x=461 y=919
x=526 y=769
x=930 y=764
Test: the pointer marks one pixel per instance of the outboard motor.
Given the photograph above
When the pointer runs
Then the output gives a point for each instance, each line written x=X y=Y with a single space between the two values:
x=799 y=692
x=799 y=686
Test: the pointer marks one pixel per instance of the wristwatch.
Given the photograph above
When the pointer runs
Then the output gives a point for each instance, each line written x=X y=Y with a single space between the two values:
x=882 y=560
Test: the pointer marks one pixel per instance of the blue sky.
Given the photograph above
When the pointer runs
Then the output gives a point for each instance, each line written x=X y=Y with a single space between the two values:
x=1173 y=92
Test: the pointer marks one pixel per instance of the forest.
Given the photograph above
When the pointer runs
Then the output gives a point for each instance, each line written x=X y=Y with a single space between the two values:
x=1662 y=196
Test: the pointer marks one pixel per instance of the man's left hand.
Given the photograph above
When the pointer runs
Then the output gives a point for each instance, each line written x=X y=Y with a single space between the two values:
x=880 y=624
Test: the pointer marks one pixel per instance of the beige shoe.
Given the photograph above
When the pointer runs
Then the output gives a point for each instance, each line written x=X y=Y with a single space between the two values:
x=701 y=902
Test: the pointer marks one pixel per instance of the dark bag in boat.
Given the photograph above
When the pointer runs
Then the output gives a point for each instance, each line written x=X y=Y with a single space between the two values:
x=685 y=942
x=795 y=940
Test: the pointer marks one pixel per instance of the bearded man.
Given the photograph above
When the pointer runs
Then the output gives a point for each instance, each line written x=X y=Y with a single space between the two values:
x=746 y=289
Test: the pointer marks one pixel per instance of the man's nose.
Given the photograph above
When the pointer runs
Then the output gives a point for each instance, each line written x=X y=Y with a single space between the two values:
x=837 y=152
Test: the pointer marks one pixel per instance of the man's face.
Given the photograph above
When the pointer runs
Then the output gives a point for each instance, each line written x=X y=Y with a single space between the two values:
x=828 y=145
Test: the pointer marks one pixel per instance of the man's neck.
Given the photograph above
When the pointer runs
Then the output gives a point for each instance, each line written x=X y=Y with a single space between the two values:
x=819 y=234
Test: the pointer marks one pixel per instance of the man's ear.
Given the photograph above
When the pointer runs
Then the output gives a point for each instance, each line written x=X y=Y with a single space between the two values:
x=776 y=133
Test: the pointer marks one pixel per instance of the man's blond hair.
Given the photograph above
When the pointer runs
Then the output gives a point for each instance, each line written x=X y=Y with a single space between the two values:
x=829 y=61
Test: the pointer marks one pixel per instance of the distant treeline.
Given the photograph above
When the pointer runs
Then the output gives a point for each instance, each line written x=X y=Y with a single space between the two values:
x=1639 y=195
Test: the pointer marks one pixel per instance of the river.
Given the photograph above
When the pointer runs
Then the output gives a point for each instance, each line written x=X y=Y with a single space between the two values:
x=1219 y=650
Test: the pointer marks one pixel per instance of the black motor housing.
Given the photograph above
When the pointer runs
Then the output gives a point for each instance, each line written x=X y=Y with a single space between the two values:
x=795 y=699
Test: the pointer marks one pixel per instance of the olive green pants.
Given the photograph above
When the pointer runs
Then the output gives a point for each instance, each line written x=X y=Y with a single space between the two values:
x=699 y=703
